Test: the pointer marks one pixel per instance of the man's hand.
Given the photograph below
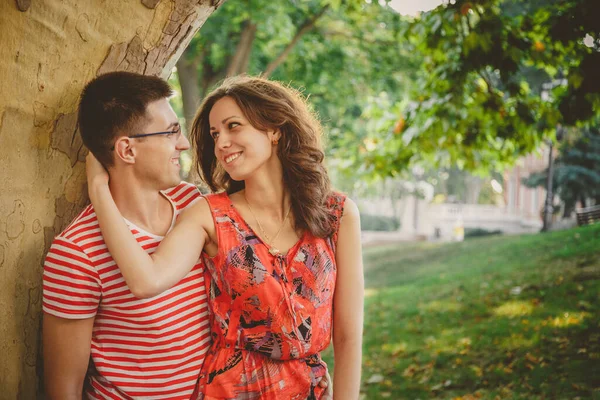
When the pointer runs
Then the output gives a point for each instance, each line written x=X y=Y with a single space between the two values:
x=325 y=382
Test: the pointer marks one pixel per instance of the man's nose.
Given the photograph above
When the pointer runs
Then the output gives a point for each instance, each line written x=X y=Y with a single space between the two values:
x=183 y=143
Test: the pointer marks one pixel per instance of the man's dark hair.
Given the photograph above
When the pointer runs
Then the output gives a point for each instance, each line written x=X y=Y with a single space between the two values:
x=113 y=105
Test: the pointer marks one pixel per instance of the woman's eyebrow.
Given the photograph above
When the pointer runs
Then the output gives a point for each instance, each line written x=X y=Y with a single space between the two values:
x=228 y=118
x=225 y=120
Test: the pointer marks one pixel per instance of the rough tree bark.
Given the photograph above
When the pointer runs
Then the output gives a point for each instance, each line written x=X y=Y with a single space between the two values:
x=48 y=51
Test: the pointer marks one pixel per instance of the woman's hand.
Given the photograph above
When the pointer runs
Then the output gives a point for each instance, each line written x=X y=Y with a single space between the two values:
x=96 y=173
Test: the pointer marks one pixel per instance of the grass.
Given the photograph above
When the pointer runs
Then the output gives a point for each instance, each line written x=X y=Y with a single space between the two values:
x=512 y=317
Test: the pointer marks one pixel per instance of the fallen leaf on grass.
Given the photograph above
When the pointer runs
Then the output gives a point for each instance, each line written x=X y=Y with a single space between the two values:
x=376 y=378
x=531 y=358
x=441 y=386
x=478 y=372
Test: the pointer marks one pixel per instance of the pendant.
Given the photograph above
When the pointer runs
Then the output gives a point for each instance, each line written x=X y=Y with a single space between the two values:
x=273 y=251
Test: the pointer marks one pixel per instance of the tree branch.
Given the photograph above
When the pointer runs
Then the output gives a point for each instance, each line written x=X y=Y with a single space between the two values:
x=306 y=26
x=239 y=61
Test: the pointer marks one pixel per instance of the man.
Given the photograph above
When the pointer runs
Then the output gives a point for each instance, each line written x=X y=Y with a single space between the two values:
x=140 y=348
x=152 y=348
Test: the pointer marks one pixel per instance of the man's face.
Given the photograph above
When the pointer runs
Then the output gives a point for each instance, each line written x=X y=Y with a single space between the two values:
x=157 y=156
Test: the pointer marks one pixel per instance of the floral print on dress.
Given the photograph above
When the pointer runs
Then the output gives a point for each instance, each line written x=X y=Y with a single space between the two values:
x=271 y=315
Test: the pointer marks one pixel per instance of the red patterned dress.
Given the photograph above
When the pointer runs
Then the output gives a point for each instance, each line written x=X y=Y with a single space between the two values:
x=271 y=316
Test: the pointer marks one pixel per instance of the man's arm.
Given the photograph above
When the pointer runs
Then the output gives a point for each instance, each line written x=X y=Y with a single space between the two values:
x=67 y=345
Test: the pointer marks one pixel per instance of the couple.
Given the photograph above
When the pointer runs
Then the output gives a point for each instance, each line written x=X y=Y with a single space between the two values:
x=274 y=254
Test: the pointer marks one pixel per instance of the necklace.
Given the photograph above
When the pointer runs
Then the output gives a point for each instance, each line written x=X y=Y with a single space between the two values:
x=274 y=251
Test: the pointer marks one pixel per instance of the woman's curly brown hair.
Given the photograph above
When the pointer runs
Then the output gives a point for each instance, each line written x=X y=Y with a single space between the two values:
x=269 y=105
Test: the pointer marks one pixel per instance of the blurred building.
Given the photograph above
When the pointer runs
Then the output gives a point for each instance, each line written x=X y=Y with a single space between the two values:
x=526 y=203
x=422 y=219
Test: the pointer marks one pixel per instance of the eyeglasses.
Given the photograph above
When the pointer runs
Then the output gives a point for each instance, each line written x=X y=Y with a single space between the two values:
x=173 y=132
x=176 y=131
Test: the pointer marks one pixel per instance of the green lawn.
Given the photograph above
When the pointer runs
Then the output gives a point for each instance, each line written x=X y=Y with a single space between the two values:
x=513 y=317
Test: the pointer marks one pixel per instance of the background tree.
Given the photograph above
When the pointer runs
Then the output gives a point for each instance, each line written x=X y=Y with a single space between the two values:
x=48 y=51
x=576 y=176
x=244 y=36
x=344 y=56
x=477 y=103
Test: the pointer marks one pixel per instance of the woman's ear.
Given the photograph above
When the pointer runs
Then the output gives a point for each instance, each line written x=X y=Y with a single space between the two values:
x=125 y=150
x=275 y=136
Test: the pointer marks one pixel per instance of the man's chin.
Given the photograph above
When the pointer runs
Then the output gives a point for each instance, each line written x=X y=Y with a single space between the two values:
x=171 y=184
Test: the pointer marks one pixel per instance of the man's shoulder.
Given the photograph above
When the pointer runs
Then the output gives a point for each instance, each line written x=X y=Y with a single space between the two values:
x=82 y=225
x=73 y=241
x=183 y=195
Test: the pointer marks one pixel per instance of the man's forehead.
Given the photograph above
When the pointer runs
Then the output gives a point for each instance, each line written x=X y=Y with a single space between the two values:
x=161 y=112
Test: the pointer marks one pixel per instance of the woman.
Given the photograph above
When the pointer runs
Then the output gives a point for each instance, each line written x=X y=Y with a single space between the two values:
x=281 y=249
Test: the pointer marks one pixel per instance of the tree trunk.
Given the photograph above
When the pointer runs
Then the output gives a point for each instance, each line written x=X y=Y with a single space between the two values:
x=187 y=71
x=474 y=185
x=49 y=51
x=241 y=57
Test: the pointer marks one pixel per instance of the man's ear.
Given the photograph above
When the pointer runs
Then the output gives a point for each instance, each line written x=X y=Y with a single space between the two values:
x=125 y=150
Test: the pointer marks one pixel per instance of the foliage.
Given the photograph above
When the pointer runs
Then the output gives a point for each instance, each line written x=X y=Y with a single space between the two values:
x=480 y=232
x=458 y=87
x=478 y=100
x=576 y=175
x=352 y=55
x=510 y=317
x=370 y=222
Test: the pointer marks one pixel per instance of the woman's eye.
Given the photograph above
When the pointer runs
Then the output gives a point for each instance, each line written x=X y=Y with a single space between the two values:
x=233 y=125
x=214 y=134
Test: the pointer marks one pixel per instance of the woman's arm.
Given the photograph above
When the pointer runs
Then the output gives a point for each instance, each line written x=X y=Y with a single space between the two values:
x=146 y=275
x=348 y=307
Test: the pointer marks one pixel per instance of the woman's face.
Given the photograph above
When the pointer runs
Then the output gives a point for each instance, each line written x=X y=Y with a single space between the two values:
x=239 y=147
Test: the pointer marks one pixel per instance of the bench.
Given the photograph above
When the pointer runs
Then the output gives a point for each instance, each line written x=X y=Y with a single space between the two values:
x=588 y=215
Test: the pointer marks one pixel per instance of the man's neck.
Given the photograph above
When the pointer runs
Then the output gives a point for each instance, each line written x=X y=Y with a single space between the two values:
x=145 y=207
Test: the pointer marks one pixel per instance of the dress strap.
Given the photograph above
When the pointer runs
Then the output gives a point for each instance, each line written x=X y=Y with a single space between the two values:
x=218 y=201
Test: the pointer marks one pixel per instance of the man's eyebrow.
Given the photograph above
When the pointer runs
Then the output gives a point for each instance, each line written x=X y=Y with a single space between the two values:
x=172 y=125
x=225 y=120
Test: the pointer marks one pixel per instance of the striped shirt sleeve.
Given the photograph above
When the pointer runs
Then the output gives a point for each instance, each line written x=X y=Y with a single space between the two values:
x=72 y=288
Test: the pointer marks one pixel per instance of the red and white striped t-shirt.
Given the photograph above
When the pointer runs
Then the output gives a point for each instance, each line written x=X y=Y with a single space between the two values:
x=142 y=348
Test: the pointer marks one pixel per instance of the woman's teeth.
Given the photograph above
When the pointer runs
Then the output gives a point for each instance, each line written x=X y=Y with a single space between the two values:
x=232 y=157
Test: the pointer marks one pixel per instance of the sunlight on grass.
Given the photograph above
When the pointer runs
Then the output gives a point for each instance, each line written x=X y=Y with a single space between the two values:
x=441 y=306
x=517 y=341
x=489 y=318
x=394 y=349
x=568 y=319
x=514 y=308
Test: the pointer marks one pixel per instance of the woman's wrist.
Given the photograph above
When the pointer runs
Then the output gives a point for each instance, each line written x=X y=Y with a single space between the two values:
x=97 y=187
